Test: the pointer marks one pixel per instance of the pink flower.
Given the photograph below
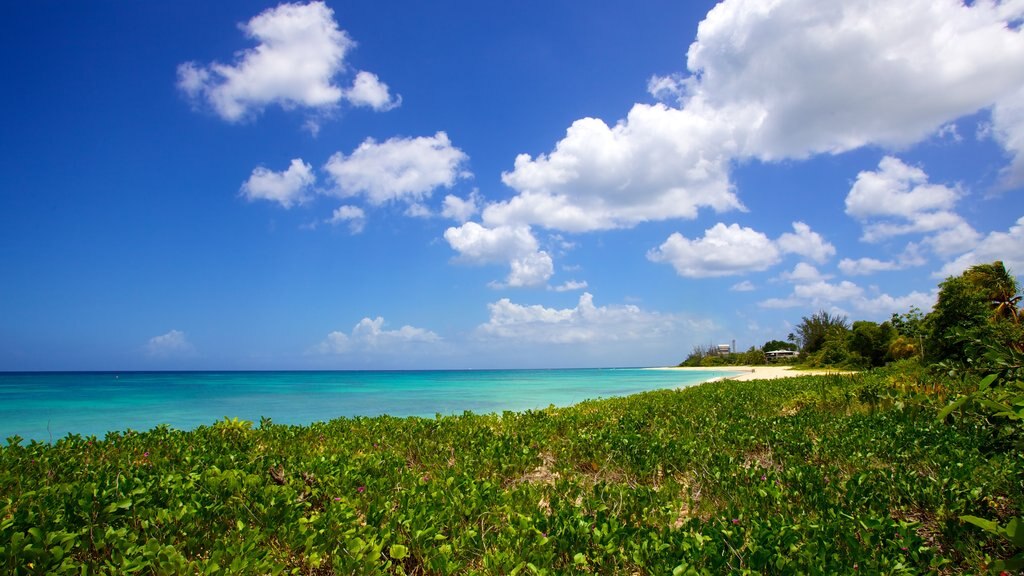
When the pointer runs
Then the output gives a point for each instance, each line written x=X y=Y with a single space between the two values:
x=361 y=489
x=735 y=520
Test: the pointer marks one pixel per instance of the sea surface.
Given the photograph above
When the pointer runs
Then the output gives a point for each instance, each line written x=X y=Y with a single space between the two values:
x=46 y=406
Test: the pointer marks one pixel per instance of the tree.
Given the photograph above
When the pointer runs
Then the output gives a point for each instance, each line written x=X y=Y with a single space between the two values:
x=773 y=345
x=813 y=331
x=871 y=341
x=999 y=288
x=976 y=308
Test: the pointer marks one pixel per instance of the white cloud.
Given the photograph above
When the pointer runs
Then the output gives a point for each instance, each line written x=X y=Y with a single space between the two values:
x=370 y=335
x=834 y=76
x=171 y=344
x=417 y=210
x=804 y=272
x=516 y=245
x=659 y=163
x=407 y=169
x=819 y=294
x=299 y=51
x=897 y=190
x=584 y=323
x=910 y=257
x=723 y=251
x=866 y=266
x=461 y=209
x=805 y=242
x=354 y=215
x=1006 y=246
x=728 y=250
x=883 y=306
x=897 y=199
x=531 y=269
x=477 y=244
x=1008 y=130
x=286 y=188
x=778 y=80
x=671 y=88
x=368 y=90
x=570 y=286
x=744 y=286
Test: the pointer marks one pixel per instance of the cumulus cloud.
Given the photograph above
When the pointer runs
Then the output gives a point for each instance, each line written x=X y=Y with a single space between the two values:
x=729 y=250
x=744 y=286
x=820 y=294
x=1008 y=130
x=805 y=66
x=171 y=344
x=461 y=209
x=583 y=323
x=723 y=251
x=353 y=215
x=369 y=335
x=570 y=285
x=805 y=242
x=368 y=90
x=287 y=188
x=897 y=199
x=531 y=269
x=866 y=266
x=777 y=80
x=515 y=245
x=659 y=163
x=804 y=272
x=298 y=54
x=406 y=169
x=1006 y=246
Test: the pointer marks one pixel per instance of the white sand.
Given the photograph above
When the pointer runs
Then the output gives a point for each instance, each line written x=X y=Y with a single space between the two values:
x=756 y=372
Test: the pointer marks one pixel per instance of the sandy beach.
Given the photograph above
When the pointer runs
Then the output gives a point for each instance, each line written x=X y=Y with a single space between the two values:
x=755 y=372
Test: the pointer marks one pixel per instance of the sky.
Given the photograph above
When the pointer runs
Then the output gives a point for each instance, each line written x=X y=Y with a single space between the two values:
x=393 y=184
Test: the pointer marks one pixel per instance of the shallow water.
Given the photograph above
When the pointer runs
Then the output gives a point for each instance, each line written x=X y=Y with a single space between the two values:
x=48 y=406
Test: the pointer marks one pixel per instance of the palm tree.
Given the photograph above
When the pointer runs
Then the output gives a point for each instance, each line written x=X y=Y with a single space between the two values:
x=999 y=287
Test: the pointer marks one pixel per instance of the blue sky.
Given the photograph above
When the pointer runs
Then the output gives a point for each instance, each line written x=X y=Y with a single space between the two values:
x=253 y=185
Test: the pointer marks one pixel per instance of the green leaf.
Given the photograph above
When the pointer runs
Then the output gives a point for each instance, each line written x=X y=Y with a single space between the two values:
x=1015 y=532
x=986 y=525
x=119 y=505
x=954 y=405
x=398 y=552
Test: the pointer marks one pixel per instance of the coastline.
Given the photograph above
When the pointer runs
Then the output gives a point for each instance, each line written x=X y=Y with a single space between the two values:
x=748 y=373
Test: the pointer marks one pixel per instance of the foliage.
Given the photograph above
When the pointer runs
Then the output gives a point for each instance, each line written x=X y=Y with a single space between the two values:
x=978 y=306
x=871 y=341
x=836 y=475
x=708 y=357
x=772 y=345
x=1000 y=398
x=813 y=331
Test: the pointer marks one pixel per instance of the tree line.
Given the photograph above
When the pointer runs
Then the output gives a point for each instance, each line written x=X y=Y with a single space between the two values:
x=973 y=311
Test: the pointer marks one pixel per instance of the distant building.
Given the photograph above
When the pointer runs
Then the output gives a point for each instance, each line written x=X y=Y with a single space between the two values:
x=780 y=354
x=724 y=349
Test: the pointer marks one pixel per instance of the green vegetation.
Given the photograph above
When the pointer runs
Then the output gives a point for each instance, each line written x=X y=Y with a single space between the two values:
x=835 y=474
x=903 y=469
x=973 y=310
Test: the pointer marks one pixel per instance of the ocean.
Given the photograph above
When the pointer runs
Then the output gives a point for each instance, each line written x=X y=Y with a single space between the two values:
x=46 y=406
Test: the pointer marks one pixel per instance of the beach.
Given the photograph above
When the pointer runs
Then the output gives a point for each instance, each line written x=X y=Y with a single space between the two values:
x=747 y=373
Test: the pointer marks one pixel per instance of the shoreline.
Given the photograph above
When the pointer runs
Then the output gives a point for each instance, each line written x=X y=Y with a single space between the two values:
x=748 y=373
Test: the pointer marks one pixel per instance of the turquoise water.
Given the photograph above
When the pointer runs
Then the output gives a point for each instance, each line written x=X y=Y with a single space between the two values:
x=48 y=406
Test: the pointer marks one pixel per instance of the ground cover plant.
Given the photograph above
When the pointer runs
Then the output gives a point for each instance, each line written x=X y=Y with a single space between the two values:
x=816 y=474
